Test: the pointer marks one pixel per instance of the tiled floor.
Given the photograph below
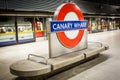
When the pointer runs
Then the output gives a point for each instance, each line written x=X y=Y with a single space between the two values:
x=105 y=67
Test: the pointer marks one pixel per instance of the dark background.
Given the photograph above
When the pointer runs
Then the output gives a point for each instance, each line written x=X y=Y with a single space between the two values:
x=110 y=2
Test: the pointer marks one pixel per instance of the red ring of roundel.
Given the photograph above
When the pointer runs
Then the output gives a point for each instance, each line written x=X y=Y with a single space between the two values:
x=69 y=43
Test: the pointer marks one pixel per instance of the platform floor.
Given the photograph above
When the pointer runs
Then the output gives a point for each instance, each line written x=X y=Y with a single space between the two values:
x=105 y=67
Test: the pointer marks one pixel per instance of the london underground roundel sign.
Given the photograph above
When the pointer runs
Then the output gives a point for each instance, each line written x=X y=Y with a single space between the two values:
x=60 y=16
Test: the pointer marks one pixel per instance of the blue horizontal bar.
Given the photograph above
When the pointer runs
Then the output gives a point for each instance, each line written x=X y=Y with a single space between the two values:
x=7 y=43
x=56 y=26
x=26 y=40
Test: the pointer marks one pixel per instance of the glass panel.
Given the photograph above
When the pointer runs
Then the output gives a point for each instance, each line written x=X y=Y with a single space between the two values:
x=39 y=27
x=112 y=24
x=25 y=29
x=99 y=25
x=7 y=30
x=94 y=25
x=117 y=23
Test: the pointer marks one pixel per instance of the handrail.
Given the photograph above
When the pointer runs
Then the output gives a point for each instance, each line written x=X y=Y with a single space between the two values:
x=46 y=62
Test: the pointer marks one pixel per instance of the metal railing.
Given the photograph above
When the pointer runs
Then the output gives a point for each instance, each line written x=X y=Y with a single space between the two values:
x=29 y=58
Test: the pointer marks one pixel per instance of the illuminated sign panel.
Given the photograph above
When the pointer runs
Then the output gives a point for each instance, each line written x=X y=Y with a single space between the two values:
x=68 y=31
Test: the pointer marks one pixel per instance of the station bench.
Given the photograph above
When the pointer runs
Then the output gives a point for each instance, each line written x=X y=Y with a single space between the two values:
x=37 y=65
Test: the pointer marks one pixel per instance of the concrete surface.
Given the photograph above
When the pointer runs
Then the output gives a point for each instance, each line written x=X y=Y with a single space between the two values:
x=28 y=68
x=105 y=67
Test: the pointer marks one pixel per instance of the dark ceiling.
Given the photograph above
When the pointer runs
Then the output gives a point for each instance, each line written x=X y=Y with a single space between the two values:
x=110 y=2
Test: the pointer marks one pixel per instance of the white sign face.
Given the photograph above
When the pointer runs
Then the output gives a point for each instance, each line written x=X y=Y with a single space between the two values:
x=70 y=34
x=68 y=31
